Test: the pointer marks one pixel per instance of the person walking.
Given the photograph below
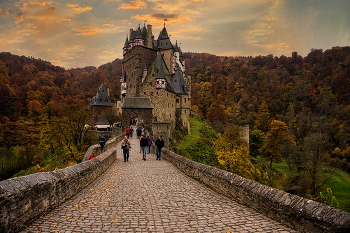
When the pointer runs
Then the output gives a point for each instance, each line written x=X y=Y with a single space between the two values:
x=143 y=145
x=159 y=145
x=126 y=148
x=150 y=142
x=102 y=140
x=127 y=132
x=131 y=131
x=139 y=132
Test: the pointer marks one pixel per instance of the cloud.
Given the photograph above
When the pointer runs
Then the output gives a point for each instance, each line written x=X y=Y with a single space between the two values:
x=138 y=4
x=87 y=31
x=65 y=20
x=82 y=9
x=5 y=12
x=19 y=18
x=159 y=18
x=78 y=9
x=72 y=5
x=108 y=52
x=55 y=61
x=108 y=25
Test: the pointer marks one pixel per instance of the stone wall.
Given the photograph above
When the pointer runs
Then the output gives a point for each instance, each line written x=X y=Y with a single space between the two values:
x=299 y=213
x=24 y=198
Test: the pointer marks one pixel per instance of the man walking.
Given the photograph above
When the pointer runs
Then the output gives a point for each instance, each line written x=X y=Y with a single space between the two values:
x=143 y=145
x=159 y=145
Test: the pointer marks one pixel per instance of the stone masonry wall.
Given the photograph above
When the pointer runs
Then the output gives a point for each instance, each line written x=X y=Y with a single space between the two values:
x=299 y=213
x=24 y=198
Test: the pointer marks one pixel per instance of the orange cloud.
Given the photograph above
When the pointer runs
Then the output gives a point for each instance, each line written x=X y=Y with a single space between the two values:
x=65 y=20
x=19 y=18
x=138 y=4
x=87 y=31
x=82 y=9
x=109 y=52
x=159 y=18
x=72 y=5
x=38 y=3
x=55 y=61
x=270 y=19
x=108 y=25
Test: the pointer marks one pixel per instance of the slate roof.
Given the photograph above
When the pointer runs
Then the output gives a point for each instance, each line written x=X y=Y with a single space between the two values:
x=178 y=84
x=163 y=71
x=101 y=98
x=137 y=102
x=163 y=41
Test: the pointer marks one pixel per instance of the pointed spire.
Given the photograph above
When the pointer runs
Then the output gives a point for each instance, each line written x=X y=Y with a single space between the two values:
x=126 y=44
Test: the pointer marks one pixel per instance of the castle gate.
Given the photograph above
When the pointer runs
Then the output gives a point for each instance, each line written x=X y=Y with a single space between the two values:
x=139 y=108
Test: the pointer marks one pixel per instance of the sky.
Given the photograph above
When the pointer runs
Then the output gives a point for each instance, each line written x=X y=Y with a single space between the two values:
x=79 y=33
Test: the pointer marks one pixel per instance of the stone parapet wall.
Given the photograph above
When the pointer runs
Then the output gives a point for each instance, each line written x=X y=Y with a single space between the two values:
x=299 y=213
x=24 y=198
x=96 y=149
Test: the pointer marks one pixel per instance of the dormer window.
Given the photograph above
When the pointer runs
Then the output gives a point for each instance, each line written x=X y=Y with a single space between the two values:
x=160 y=83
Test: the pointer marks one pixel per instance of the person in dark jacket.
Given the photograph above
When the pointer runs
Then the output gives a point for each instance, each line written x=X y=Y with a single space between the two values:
x=102 y=140
x=143 y=145
x=159 y=145
x=126 y=148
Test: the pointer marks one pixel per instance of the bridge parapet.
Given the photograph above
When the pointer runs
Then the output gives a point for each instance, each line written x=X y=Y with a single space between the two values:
x=24 y=198
x=299 y=213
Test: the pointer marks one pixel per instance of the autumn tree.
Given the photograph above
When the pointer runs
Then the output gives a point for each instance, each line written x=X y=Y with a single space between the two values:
x=275 y=138
x=232 y=154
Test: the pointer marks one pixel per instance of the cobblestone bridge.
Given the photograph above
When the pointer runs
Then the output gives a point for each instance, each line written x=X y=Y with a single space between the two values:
x=151 y=196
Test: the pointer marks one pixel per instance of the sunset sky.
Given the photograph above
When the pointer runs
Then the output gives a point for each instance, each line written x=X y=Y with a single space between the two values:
x=77 y=33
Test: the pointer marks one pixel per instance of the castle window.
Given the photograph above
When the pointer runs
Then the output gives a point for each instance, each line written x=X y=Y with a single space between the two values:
x=185 y=100
x=150 y=83
x=177 y=101
x=152 y=93
x=144 y=93
x=157 y=93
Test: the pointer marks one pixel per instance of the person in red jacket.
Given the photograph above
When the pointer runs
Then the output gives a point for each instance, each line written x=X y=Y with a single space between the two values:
x=127 y=132
x=92 y=156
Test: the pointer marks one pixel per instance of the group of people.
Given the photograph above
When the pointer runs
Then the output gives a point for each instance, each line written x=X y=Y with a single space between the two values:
x=145 y=147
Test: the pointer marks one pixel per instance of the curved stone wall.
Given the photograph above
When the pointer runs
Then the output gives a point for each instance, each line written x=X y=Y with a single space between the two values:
x=24 y=198
x=299 y=213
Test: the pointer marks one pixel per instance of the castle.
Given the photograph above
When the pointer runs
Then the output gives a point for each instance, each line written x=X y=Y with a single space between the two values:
x=155 y=88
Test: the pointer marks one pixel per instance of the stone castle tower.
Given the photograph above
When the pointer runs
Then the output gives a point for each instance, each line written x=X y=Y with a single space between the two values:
x=155 y=69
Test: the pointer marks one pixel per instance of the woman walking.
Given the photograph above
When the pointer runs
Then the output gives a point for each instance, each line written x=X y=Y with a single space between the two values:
x=126 y=148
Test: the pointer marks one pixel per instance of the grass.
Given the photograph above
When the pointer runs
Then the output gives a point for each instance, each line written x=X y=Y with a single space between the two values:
x=193 y=137
x=340 y=185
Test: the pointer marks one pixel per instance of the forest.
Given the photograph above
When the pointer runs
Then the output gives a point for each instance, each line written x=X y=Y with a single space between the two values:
x=297 y=109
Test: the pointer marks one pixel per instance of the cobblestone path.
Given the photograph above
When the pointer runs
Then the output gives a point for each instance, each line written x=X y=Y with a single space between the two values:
x=151 y=196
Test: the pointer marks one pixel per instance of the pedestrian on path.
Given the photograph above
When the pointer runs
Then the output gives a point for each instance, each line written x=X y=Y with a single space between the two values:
x=126 y=148
x=102 y=140
x=143 y=145
x=150 y=142
x=127 y=131
x=131 y=131
x=159 y=145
